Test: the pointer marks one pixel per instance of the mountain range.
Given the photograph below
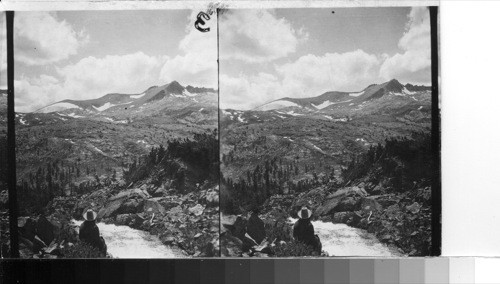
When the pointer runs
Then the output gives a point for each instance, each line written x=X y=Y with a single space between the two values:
x=331 y=101
x=389 y=98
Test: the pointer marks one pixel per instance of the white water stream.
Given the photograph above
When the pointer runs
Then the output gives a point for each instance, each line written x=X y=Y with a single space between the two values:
x=125 y=242
x=342 y=240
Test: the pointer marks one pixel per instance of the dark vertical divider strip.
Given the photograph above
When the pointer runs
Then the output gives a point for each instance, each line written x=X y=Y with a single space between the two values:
x=436 y=136
x=11 y=138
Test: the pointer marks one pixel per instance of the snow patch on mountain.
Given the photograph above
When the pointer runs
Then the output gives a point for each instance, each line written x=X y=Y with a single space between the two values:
x=317 y=148
x=57 y=107
x=293 y=113
x=323 y=105
x=328 y=103
x=104 y=106
x=277 y=105
x=97 y=150
x=108 y=105
x=187 y=93
x=74 y=115
x=137 y=96
x=408 y=92
x=240 y=119
x=356 y=94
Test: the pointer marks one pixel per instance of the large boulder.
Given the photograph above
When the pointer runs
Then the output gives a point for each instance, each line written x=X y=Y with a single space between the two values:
x=414 y=208
x=159 y=192
x=110 y=209
x=169 y=204
x=344 y=199
x=25 y=248
x=129 y=193
x=349 y=218
x=370 y=204
x=46 y=230
x=278 y=228
x=212 y=198
x=197 y=210
x=278 y=201
x=153 y=206
x=26 y=227
x=123 y=219
x=4 y=199
x=136 y=220
x=131 y=206
x=348 y=203
x=378 y=189
x=227 y=222
x=313 y=199
x=255 y=228
x=346 y=191
x=230 y=245
x=236 y=225
x=120 y=203
x=328 y=207
x=393 y=211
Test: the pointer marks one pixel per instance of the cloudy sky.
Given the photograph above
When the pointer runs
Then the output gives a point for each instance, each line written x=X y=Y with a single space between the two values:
x=269 y=54
x=3 y=53
x=87 y=54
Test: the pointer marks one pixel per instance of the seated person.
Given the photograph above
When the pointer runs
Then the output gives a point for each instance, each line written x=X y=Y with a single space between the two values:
x=89 y=232
x=303 y=230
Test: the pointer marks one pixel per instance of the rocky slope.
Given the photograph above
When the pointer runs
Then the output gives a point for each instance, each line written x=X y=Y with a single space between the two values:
x=4 y=197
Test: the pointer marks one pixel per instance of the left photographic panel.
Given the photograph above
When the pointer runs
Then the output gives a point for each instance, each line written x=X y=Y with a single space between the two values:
x=116 y=134
x=4 y=194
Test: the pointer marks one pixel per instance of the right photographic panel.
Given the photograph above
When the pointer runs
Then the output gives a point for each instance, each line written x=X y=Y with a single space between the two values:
x=327 y=134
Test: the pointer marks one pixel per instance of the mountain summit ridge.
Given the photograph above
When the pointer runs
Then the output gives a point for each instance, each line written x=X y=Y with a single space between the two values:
x=331 y=99
x=110 y=100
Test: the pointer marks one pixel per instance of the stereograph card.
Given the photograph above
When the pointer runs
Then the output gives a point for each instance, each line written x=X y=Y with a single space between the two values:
x=229 y=129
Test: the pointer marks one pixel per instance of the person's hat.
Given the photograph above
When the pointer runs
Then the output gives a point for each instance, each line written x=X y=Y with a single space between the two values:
x=90 y=215
x=304 y=213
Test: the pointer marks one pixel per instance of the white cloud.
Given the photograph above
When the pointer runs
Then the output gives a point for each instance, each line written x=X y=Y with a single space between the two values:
x=112 y=73
x=36 y=93
x=312 y=75
x=413 y=65
x=197 y=65
x=3 y=53
x=308 y=76
x=257 y=36
x=248 y=92
x=89 y=78
x=41 y=38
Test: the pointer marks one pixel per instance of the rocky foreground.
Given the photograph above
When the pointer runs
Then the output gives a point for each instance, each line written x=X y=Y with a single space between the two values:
x=398 y=219
x=186 y=222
